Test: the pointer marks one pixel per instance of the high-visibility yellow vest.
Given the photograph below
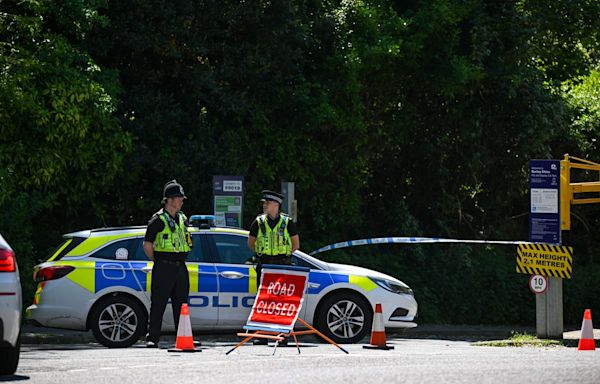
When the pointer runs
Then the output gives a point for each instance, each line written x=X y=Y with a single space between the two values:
x=175 y=236
x=276 y=241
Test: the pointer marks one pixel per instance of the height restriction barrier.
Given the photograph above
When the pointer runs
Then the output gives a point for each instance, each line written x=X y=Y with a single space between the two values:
x=545 y=259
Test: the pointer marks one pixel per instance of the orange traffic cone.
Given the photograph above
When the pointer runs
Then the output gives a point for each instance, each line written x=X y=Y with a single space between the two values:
x=378 y=332
x=185 y=340
x=586 y=341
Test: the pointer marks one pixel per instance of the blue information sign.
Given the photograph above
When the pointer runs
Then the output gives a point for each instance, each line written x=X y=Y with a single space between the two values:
x=544 y=201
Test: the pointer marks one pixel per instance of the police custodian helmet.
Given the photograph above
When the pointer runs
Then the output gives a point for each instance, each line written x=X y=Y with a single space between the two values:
x=173 y=189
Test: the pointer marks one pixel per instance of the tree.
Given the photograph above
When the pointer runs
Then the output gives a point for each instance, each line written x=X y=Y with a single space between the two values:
x=60 y=144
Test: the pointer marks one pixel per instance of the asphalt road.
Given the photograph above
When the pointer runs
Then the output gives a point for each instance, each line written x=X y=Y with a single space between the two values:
x=426 y=361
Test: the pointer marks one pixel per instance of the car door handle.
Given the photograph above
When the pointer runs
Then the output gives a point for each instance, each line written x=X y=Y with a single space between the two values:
x=313 y=285
x=147 y=269
x=232 y=275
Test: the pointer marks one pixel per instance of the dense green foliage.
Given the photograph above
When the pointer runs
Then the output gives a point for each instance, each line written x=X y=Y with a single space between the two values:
x=403 y=118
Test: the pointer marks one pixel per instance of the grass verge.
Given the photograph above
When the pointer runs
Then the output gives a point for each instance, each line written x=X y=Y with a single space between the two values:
x=525 y=340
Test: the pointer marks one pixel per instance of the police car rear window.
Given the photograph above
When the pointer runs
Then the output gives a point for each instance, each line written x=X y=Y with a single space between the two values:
x=119 y=250
x=65 y=247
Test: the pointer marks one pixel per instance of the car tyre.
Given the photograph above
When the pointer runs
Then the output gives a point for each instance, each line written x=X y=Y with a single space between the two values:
x=10 y=358
x=344 y=317
x=118 y=321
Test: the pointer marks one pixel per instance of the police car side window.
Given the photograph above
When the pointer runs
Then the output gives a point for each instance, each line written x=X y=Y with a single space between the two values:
x=232 y=249
x=138 y=251
x=301 y=262
x=116 y=251
x=196 y=254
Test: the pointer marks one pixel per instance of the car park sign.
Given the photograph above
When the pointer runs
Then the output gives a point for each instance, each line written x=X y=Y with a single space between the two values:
x=544 y=201
x=228 y=197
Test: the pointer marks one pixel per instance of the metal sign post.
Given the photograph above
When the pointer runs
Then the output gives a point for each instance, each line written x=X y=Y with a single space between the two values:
x=544 y=227
x=289 y=205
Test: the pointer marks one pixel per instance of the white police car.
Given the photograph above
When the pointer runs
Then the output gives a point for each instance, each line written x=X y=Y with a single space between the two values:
x=100 y=280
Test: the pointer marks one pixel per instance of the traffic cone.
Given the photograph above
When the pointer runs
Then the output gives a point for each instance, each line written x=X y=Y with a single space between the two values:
x=378 y=332
x=586 y=341
x=185 y=340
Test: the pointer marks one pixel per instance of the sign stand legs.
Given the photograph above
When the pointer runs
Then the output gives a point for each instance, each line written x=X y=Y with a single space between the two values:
x=277 y=336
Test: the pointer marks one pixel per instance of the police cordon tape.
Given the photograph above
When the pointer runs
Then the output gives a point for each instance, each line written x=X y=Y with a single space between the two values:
x=412 y=240
x=533 y=258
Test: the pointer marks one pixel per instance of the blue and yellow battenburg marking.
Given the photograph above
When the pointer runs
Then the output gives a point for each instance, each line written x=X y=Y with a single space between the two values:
x=95 y=276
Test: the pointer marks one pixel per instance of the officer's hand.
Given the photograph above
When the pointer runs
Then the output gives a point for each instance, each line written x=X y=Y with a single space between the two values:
x=251 y=260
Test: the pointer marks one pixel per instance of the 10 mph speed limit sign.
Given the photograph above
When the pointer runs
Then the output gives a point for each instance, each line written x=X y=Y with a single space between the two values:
x=538 y=284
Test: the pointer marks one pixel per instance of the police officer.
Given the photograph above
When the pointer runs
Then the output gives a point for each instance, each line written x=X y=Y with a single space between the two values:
x=273 y=236
x=167 y=243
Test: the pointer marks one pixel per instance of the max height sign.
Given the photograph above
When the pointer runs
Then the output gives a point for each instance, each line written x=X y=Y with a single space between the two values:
x=544 y=202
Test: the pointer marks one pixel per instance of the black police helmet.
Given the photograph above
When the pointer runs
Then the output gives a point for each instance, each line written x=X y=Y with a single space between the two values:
x=173 y=189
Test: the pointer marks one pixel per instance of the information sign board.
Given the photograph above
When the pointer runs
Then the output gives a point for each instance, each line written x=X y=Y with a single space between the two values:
x=228 y=196
x=544 y=201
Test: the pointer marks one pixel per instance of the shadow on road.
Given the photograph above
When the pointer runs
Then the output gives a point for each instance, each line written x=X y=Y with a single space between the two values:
x=13 y=378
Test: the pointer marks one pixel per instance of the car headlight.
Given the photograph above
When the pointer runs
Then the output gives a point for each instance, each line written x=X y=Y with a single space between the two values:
x=392 y=286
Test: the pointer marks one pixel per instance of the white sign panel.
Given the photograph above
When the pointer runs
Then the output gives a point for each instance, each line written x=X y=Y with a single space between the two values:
x=232 y=186
x=544 y=200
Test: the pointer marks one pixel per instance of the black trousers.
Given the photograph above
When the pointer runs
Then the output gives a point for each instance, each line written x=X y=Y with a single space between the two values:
x=277 y=260
x=170 y=280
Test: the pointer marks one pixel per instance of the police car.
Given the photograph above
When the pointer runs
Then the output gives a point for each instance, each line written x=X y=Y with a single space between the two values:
x=100 y=280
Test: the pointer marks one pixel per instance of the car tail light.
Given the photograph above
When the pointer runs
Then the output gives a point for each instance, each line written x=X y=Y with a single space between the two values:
x=53 y=273
x=7 y=260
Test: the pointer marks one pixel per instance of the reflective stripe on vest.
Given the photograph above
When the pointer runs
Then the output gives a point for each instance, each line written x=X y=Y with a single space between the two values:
x=173 y=237
x=276 y=241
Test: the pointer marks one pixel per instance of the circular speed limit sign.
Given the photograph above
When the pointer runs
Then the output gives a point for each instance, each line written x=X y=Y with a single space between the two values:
x=538 y=284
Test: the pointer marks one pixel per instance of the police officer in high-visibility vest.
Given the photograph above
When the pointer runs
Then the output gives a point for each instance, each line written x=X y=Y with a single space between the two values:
x=167 y=243
x=273 y=235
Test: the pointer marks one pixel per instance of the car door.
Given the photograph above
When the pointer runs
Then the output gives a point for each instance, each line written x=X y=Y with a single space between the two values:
x=236 y=277
x=203 y=283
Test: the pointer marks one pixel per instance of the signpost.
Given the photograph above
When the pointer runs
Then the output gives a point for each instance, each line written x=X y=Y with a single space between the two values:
x=228 y=195
x=544 y=227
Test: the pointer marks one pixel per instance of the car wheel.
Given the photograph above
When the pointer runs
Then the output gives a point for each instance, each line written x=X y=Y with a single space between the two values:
x=344 y=317
x=10 y=358
x=118 y=321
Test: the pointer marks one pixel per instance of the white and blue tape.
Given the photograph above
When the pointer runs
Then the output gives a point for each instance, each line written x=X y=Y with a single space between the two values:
x=410 y=240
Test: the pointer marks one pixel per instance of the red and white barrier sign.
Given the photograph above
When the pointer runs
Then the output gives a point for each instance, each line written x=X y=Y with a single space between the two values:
x=279 y=299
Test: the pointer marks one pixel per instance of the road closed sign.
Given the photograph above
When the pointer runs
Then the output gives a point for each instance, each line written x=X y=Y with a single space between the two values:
x=279 y=298
x=545 y=259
